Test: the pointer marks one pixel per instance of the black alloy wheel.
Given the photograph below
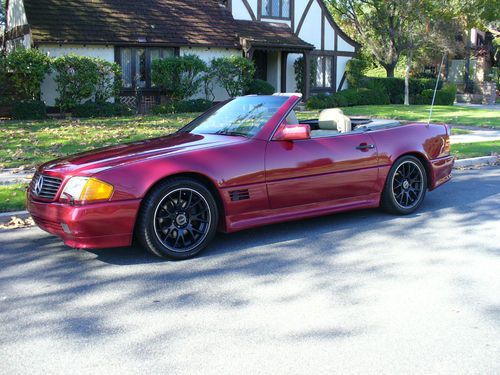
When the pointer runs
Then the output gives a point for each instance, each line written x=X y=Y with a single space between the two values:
x=178 y=219
x=405 y=187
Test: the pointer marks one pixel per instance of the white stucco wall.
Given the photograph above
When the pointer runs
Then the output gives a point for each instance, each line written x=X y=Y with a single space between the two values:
x=341 y=63
x=329 y=36
x=291 y=85
x=274 y=70
x=343 y=46
x=311 y=28
x=49 y=88
x=207 y=54
x=16 y=16
x=240 y=11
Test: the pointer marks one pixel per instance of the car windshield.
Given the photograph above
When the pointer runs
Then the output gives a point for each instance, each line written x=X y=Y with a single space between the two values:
x=243 y=116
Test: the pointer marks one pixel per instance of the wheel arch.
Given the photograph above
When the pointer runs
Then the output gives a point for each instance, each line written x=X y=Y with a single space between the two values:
x=204 y=180
x=425 y=162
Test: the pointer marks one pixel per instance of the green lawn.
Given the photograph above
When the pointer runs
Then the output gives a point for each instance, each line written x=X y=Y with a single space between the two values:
x=12 y=197
x=452 y=115
x=30 y=143
x=472 y=150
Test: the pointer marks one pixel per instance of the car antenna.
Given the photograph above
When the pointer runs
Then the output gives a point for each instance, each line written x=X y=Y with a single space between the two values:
x=435 y=90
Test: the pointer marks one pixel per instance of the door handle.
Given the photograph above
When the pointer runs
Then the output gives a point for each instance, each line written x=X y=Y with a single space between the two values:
x=365 y=147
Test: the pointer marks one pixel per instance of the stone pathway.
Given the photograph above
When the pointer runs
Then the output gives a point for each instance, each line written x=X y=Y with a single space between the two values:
x=494 y=107
x=13 y=176
x=475 y=135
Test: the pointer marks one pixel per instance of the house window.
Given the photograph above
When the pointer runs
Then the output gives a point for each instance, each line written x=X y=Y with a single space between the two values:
x=136 y=65
x=324 y=72
x=276 y=9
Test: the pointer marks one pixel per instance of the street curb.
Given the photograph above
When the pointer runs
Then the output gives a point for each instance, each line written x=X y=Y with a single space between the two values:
x=19 y=214
x=461 y=163
x=483 y=160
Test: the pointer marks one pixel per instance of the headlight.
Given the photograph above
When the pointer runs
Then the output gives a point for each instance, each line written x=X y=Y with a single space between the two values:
x=85 y=189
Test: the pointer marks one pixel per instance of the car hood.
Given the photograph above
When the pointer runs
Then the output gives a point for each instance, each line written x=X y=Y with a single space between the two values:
x=95 y=161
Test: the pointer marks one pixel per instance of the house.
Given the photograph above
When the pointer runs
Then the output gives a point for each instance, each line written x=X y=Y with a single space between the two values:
x=273 y=33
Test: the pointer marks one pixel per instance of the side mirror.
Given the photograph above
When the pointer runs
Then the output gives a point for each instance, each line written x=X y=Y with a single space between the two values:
x=295 y=132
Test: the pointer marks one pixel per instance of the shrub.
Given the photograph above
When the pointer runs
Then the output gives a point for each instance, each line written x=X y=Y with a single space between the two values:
x=103 y=109
x=260 y=87
x=320 y=101
x=298 y=67
x=354 y=72
x=180 y=76
x=27 y=68
x=109 y=81
x=395 y=87
x=349 y=97
x=3 y=80
x=234 y=73
x=445 y=96
x=183 y=106
x=77 y=78
x=372 y=97
x=29 y=110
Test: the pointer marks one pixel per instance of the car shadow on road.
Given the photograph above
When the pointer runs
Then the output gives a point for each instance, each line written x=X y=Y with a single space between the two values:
x=330 y=257
x=436 y=204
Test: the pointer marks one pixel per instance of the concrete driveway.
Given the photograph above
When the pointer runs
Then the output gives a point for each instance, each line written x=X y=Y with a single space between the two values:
x=355 y=293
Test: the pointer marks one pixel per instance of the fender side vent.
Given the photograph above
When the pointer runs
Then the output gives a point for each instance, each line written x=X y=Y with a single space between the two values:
x=239 y=195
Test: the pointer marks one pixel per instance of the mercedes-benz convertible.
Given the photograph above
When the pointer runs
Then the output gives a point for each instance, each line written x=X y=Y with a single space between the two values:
x=244 y=163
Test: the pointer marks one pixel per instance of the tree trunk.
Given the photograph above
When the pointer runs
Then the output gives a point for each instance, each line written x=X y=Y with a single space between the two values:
x=389 y=70
x=407 y=76
x=467 y=80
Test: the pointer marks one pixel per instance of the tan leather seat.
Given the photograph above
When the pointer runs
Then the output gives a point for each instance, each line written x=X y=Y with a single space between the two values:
x=291 y=119
x=334 y=119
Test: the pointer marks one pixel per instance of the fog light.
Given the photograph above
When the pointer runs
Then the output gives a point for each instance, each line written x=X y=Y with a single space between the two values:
x=65 y=228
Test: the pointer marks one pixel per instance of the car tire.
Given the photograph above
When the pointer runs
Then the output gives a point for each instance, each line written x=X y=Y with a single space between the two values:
x=177 y=219
x=405 y=187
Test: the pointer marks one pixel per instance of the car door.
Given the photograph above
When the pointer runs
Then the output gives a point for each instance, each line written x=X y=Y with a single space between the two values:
x=334 y=169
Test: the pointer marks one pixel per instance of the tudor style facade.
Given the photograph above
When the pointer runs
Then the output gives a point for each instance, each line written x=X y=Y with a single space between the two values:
x=273 y=33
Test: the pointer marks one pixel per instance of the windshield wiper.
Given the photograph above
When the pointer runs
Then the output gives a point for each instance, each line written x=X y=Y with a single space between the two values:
x=231 y=132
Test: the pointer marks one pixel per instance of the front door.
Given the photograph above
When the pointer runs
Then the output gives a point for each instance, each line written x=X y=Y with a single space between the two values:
x=339 y=168
x=260 y=60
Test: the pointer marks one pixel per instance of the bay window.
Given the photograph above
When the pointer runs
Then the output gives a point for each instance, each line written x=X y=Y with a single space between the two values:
x=135 y=64
x=276 y=9
x=324 y=72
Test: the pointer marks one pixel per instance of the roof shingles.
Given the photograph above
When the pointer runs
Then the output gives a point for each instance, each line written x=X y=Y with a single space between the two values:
x=163 y=22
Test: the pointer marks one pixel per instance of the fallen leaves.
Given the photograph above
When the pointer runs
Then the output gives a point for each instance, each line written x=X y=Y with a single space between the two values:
x=16 y=222
x=31 y=143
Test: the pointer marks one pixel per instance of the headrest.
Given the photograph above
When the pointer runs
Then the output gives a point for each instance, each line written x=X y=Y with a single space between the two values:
x=334 y=119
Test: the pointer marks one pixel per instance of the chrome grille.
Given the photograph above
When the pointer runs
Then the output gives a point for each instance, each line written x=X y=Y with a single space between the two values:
x=46 y=187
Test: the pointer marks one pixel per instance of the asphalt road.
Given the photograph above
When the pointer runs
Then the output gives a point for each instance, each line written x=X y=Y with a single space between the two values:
x=355 y=293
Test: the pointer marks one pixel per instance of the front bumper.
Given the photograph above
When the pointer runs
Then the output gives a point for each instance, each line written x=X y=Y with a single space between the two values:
x=92 y=226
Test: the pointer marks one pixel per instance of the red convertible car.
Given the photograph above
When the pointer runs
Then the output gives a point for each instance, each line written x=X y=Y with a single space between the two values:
x=243 y=163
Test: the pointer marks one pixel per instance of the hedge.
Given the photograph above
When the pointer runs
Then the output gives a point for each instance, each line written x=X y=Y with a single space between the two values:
x=92 y=109
x=349 y=97
x=29 y=110
x=445 y=96
x=260 y=87
x=395 y=87
x=183 y=106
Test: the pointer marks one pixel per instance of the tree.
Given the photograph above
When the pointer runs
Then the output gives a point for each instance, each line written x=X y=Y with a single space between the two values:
x=3 y=12
x=234 y=73
x=76 y=79
x=389 y=28
x=380 y=25
x=182 y=76
x=3 y=19
x=27 y=68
